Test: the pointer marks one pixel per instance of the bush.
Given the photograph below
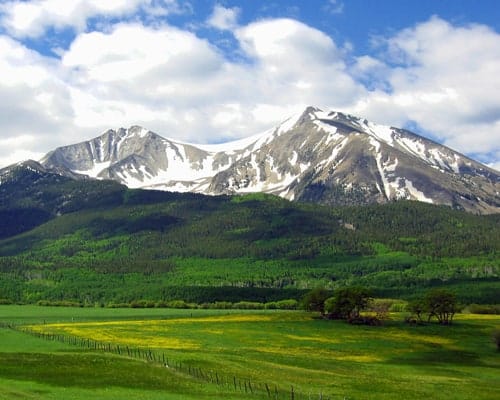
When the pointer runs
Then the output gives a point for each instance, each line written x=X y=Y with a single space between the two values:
x=496 y=338
x=315 y=300
x=218 y=305
x=61 y=303
x=143 y=304
x=137 y=304
x=248 y=305
x=222 y=305
x=290 y=304
x=118 y=305
x=180 y=304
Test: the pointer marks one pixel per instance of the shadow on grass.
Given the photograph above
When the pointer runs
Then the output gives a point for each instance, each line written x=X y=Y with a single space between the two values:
x=439 y=357
x=87 y=371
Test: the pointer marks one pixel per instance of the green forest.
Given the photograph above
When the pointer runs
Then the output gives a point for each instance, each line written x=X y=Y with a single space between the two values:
x=97 y=242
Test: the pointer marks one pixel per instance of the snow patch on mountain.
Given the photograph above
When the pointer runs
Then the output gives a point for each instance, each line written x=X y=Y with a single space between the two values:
x=417 y=194
x=94 y=172
x=314 y=156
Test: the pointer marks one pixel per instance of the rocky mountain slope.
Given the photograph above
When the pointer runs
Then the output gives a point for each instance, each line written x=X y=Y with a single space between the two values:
x=325 y=157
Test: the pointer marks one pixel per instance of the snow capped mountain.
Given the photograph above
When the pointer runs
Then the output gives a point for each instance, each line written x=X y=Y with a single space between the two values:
x=324 y=157
x=140 y=159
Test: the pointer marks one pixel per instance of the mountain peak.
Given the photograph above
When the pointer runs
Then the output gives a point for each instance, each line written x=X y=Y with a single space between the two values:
x=27 y=172
x=136 y=130
x=319 y=156
x=311 y=109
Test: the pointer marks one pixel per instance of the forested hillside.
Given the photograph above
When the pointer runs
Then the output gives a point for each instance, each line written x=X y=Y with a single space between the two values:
x=131 y=244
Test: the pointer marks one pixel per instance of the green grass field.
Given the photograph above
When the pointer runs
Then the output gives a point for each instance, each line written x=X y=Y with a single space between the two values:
x=274 y=348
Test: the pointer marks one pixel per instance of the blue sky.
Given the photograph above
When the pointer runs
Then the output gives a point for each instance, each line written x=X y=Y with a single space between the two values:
x=211 y=71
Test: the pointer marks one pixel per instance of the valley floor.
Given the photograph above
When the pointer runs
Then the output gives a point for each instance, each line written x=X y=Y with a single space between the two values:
x=101 y=353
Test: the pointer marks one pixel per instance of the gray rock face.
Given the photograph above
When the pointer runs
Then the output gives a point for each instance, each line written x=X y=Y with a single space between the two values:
x=324 y=157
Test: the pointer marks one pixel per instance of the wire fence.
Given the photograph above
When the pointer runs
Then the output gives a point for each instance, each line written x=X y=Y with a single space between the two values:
x=224 y=381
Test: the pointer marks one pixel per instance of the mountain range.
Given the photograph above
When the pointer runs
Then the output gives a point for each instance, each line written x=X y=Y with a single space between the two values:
x=72 y=230
x=329 y=158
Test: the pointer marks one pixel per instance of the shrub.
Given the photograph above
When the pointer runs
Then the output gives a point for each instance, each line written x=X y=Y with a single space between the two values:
x=271 y=306
x=315 y=300
x=496 y=338
x=178 y=304
x=248 y=305
x=118 y=305
x=59 y=303
x=143 y=304
x=222 y=305
x=137 y=304
x=289 y=304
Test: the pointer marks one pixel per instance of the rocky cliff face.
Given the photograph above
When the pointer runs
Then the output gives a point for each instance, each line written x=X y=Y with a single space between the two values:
x=324 y=157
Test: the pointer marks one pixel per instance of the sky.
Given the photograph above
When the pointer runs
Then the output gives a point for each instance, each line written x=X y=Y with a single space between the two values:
x=204 y=71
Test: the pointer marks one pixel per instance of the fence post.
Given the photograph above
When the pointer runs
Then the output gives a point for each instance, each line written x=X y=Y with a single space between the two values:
x=268 y=391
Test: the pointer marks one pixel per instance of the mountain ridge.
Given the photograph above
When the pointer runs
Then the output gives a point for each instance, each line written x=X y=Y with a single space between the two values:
x=319 y=156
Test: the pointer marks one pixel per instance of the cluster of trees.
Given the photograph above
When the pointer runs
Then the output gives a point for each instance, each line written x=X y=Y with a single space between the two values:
x=347 y=304
x=437 y=303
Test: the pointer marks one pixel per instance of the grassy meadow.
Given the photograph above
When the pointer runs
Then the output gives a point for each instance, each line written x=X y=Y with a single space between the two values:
x=270 y=351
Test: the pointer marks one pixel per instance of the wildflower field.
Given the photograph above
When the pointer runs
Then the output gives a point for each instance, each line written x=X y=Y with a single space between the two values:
x=56 y=353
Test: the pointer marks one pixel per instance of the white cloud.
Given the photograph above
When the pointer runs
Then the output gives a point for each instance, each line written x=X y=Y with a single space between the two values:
x=172 y=81
x=137 y=74
x=442 y=77
x=297 y=64
x=446 y=79
x=33 y=18
x=18 y=155
x=132 y=51
x=224 y=18
x=36 y=101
